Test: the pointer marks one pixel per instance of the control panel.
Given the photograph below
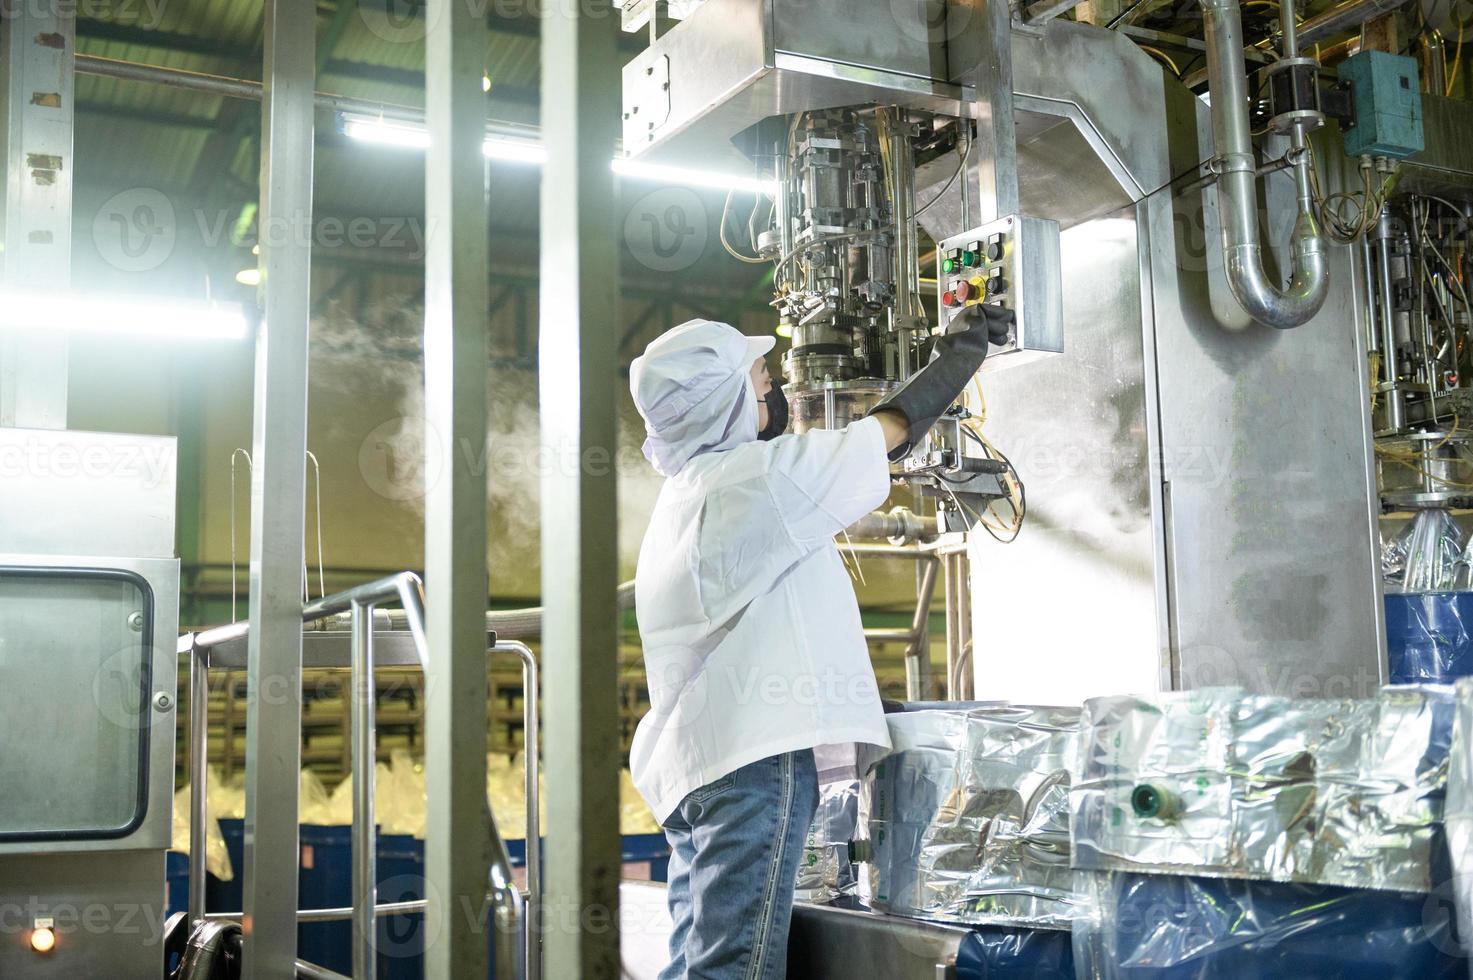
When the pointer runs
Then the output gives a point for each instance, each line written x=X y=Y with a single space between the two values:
x=1013 y=263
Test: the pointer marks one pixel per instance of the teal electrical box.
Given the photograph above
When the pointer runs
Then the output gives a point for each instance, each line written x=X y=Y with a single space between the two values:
x=1386 y=113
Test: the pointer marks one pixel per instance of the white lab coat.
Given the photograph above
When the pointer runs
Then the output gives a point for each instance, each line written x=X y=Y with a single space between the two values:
x=753 y=644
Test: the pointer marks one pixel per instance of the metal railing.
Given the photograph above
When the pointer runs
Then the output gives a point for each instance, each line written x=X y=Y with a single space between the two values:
x=952 y=565
x=508 y=907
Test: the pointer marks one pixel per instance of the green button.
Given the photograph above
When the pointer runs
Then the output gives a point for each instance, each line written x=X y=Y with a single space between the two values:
x=969 y=258
x=948 y=266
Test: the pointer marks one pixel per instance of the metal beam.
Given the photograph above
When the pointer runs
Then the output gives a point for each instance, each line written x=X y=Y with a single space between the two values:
x=997 y=152
x=577 y=381
x=457 y=857
x=278 y=495
x=37 y=44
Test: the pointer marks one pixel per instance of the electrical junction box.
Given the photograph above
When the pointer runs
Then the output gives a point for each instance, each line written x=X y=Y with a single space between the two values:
x=1386 y=114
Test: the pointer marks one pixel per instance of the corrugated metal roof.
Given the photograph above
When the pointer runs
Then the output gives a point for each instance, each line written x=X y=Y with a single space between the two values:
x=132 y=134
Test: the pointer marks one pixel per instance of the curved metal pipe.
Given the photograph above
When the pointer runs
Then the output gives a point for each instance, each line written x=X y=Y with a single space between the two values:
x=898 y=525
x=1237 y=193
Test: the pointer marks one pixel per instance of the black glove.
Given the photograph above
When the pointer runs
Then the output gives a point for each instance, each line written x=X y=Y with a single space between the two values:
x=955 y=358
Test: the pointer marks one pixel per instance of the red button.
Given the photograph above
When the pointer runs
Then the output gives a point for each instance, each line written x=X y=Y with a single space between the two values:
x=963 y=291
x=947 y=299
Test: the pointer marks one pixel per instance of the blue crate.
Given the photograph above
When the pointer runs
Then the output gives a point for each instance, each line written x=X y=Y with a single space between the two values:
x=1000 y=953
x=328 y=883
x=1429 y=637
x=1169 y=927
x=176 y=883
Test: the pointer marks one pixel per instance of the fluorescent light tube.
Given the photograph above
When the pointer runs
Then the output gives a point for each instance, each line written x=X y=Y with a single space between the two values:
x=121 y=314
x=525 y=149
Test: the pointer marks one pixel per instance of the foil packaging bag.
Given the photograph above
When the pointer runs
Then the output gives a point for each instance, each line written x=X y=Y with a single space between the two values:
x=966 y=819
x=1428 y=555
x=1219 y=783
x=825 y=871
x=1459 y=814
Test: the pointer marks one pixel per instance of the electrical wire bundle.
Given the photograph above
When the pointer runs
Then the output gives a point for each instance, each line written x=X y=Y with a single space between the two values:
x=1346 y=228
x=1003 y=528
x=1414 y=459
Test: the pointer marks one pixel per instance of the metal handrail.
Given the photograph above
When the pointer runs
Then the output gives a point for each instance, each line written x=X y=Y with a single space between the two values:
x=407 y=589
x=531 y=724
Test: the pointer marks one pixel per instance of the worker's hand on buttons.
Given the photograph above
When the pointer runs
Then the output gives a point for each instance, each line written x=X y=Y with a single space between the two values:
x=995 y=320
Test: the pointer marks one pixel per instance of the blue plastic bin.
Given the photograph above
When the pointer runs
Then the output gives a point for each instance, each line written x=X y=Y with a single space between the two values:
x=1429 y=637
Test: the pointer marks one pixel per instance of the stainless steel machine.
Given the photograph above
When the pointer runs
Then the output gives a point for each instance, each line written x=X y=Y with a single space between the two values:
x=1200 y=493
x=89 y=594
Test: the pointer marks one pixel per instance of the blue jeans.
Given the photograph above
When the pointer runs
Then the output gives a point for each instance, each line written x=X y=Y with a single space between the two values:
x=735 y=847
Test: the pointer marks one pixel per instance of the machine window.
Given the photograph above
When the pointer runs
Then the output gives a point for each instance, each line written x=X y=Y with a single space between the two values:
x=75 y=661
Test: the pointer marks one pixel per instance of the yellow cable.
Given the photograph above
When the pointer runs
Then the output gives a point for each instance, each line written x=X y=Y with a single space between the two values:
x=1452 y=76
x=1175 y=70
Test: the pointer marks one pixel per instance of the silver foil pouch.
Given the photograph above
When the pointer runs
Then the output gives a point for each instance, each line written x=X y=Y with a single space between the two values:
x=1222 y=783
x=966 y=819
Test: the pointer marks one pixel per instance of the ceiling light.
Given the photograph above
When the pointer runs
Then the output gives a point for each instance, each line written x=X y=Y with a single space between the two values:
x=121 y=314
x=520 y=145
x=658 y=173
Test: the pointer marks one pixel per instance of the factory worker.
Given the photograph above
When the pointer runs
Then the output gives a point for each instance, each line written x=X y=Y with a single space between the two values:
x=752 y=640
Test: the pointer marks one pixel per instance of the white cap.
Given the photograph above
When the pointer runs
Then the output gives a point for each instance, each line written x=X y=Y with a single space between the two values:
x=688 y=387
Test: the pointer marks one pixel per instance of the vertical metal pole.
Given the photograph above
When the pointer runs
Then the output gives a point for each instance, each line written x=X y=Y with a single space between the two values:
x=199 y=761
x=953 y=640
x=1368 y=279
x=965 y=647
x=530 y=741
x=457 y=846
x=278 y=497
x=997 y=149
x=37 y=45
x=1390 y=352
x=577 y=378
x=918 y=654
x=365 y=858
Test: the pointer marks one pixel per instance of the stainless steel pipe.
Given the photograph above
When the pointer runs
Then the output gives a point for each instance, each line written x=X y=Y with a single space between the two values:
x=1237 y=192
x=899 y=526
x=531 y=732
x=333 y=915
x=1321 y=27
x=233 y=88
x=364 y=776
x=1390 y=354
x=199 y=763
x=918 y=653
x=508 y=624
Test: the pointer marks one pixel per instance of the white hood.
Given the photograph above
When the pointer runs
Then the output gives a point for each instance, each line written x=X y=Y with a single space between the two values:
x=693 y=387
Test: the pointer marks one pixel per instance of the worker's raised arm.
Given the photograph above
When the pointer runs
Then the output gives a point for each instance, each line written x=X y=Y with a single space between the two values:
x=896 y=429
x=908 y=412
x=826 y=479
